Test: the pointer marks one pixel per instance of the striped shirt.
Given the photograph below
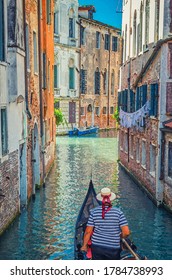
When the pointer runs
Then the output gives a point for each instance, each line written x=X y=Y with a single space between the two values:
x=106 y=231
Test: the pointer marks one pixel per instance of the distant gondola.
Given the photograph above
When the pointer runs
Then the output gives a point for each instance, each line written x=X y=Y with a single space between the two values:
x=128 y=248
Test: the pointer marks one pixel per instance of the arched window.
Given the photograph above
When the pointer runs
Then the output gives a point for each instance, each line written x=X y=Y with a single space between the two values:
x=141 y=27
x=134 y=32
x=71 y=24
x=157 y=10
x=147 y=19
x=97 y=81
x=112 y=82
x=71 y=74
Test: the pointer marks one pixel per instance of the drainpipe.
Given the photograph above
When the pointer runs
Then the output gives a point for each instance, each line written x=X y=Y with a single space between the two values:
x=25 y=63
x=162 y=155
x=40 y=92
x=109 y=79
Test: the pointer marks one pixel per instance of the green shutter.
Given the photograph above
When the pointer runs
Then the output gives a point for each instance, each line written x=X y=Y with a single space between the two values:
x=2 y=38
x=55 y=76
x=71 y=78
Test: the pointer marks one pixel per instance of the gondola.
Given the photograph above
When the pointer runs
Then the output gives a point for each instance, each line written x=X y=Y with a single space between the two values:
x=129 y=250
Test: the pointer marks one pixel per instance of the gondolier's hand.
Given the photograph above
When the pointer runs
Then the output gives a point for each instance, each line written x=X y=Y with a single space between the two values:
x=84 y=248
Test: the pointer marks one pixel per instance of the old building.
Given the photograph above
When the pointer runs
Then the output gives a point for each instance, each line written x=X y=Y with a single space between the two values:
x=48 y=128
x=39 y=26
x=13 y=175
x=100 y=60
x=66 y=61
x=33 y=96
x=145 y=96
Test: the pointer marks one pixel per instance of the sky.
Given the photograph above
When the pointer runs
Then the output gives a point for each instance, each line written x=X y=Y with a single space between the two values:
x=105 y=11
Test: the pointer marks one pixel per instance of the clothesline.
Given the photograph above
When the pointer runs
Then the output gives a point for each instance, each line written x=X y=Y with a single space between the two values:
x=135 y=119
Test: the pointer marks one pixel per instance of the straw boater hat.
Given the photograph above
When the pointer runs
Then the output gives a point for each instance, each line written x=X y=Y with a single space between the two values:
x=106 y=192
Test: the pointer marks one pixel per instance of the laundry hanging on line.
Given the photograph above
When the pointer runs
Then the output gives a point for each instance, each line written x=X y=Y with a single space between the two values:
x=135 y=119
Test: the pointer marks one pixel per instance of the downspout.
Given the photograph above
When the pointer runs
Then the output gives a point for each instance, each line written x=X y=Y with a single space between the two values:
x=40 y=92
x=162 y=155
x=25 y=64
x=109 y=79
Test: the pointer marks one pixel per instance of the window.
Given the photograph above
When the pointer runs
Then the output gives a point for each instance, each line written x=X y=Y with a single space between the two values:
x=152 y=159
x=105 y=84
x=104 y=110
x=144 y=154
x=123 y=99
x=147 y=20
x=125 y=44
x=112 y=82
x=56 y=23
x=107 y=41
x=97 y=39
x=71 y=24
x=71 y=78
x=138 y=150
x=27 y=48
x=111 y=110
x=56 y=80
x=141 y=96
x=82 y=111
x=121 y=139
x=97 y=81
x=126 y=142
x=44 y=71
x=83 y=81
x=154 y=100
x=141 y=27
x=48 y=75
x=82 y=34
x=97 y=111
x=2 y=31
x=57 y=105
x=48 y=11
x=114 y=44
x=157 y=14
x=4 y=131
x=35 y=52
x=170 y=159
x=134 y=32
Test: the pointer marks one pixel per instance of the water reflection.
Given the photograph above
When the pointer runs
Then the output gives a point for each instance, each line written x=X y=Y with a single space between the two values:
x=46 y=229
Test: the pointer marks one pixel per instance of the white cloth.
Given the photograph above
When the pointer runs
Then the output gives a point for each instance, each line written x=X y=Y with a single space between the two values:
x=135 y=119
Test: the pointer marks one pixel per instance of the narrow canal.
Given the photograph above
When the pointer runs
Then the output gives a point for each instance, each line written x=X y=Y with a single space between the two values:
x=46 y=229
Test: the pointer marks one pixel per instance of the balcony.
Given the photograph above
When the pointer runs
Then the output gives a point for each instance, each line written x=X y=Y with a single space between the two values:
x=72 y=93
x=57 y=91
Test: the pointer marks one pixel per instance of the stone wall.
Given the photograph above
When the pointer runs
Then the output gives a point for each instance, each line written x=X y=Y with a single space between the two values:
x=9 y=185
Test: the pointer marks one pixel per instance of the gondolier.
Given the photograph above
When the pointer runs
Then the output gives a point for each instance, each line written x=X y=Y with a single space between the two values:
x=106 y=226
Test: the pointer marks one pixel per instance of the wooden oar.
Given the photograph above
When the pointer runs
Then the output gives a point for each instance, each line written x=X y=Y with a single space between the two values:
x=130 y=249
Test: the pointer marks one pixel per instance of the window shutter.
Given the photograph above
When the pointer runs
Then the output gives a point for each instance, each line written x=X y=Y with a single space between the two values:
x=119 y=100
x=131 y=101
x=137 y=98
x=156 y=101
x=2 y=38
x=48 y=11
x=114 y=43
x=152 y=99
x=55 y=76
x=44 y=72
x=144 y=94
x=4 y=132
x=71 y=78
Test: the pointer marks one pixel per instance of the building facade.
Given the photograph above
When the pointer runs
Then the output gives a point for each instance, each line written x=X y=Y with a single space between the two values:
x=100 y=61
x=146 y=81
x=66 y=62
x=48 y=128
x=13 y=133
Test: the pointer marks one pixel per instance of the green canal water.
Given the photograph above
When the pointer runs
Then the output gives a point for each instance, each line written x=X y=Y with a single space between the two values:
x=45 y=230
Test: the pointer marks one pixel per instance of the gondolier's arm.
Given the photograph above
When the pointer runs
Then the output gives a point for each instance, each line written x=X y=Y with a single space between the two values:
x=125 y=232
x=87 y=236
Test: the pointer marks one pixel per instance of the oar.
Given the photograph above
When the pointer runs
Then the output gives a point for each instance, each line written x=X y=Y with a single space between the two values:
x=130 y=249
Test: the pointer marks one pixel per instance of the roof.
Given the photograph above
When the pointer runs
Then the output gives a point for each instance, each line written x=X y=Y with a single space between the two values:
x=87 y=8
x=101 y=23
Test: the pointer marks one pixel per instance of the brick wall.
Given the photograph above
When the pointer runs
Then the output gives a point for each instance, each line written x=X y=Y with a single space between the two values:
x=9 y=184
